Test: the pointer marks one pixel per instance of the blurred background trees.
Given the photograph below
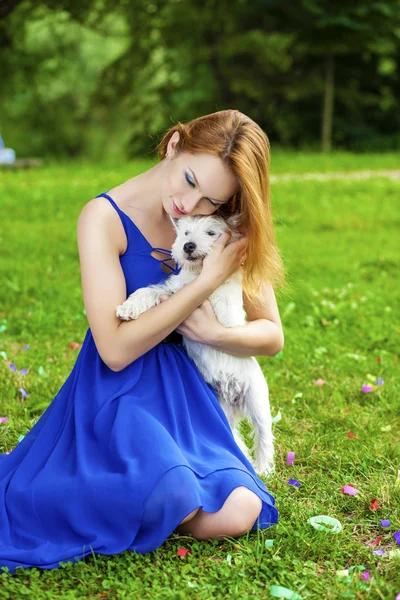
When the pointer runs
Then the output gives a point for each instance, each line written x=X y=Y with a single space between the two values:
x=102 y=78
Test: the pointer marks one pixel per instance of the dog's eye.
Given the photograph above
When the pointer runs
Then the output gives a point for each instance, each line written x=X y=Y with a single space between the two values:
x=211 y=232
x=186 y=233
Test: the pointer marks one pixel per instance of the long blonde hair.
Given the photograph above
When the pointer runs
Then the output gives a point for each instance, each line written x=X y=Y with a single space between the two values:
x=244 y=147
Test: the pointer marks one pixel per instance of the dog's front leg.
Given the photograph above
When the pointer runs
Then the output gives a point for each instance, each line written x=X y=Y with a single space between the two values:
x=141 y=300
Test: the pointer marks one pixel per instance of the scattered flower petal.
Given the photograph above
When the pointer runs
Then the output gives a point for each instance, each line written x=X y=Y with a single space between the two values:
x=350 y=489
x=374 y=505
x=366 y=388
x=3 y=419
x=376 y=542
x=290 y=458
x=12 y=367
x=26 y=347
x=365 y=575
x=23 y=392
x=277 y=417
x=380 y=552
x=74 y=345
x=182 y=551
x=378 y=359
x=281 y=592
x=320 y=523
x=293 y=482
x=23 y=371
x=379 y=381
x=319 y=382
x=396 y=536
x=385 y=523
x=350 y=434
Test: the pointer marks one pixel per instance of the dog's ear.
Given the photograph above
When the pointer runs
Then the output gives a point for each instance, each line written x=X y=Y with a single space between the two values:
x=234 y=221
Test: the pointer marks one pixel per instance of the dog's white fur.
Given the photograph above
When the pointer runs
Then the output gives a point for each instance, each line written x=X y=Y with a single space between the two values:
x=239 y=382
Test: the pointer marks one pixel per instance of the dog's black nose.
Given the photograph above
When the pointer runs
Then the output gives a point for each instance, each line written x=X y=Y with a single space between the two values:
x=189 y=247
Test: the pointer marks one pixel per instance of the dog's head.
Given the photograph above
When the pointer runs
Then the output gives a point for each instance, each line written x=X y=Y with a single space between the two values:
x=195 y=237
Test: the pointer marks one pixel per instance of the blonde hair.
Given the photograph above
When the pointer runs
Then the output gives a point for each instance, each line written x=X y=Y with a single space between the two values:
x=244 y=147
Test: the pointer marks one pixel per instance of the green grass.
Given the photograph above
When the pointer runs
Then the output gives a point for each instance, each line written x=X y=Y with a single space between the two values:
x=339 y=240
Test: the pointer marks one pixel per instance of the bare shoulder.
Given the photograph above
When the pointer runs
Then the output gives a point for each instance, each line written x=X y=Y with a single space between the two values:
x=100 y=211
x=103 y=279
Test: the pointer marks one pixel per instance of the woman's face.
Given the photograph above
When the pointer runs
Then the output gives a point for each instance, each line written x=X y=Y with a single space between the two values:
x=196 y=183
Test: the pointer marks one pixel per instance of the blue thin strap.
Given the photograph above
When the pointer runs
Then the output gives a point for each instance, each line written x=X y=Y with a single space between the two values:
x=164 y=261
x=164 y=250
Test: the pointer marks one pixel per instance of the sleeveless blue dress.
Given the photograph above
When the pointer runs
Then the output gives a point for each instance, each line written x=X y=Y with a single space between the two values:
x=119 y=459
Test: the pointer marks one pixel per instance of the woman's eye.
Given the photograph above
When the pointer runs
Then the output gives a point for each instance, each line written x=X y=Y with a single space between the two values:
x=190 y=182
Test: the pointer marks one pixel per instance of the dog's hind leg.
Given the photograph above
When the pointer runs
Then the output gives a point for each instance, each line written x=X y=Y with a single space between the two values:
x=258 y=411
x=233 y=415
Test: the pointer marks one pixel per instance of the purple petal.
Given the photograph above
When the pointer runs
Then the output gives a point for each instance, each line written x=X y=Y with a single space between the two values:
x=26 y=347
x=12 y=367
x=23 y=371
x=3 y=419
x=385 y=523
x=379 y=552
x=396 y=536
x=290 y=458
x=379 y=381
x=23 y=392
x=365 y=575
x=293 y=482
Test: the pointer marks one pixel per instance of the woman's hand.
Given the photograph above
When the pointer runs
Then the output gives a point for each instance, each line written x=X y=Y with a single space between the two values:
x=224 y=259
x=201 y=325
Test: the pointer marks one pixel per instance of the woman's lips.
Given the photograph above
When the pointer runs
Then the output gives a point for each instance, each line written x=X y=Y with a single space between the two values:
x=177 y=209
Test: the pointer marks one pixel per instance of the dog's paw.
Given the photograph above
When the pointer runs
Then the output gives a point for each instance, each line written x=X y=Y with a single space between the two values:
x=264 y=468
x=127 y=311
x=264 y=461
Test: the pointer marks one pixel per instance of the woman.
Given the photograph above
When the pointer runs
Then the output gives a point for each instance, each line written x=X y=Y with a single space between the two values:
x=135 y=445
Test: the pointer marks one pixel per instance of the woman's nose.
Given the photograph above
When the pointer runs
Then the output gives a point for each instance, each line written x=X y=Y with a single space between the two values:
x=191 y=202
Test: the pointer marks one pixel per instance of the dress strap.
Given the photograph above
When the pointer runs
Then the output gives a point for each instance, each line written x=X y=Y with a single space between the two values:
x=119 y=211
x=124 y=218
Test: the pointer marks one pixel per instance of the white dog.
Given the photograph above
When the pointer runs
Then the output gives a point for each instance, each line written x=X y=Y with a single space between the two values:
x=239 y=382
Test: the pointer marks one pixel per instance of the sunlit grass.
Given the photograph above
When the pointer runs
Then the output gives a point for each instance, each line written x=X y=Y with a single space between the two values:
x=339 y=240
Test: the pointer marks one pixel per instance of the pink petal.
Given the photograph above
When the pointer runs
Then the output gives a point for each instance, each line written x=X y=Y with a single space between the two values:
x=290 y=458
x=366 y=388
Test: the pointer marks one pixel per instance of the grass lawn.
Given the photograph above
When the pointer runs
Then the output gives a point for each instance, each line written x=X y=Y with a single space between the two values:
x=340 y=244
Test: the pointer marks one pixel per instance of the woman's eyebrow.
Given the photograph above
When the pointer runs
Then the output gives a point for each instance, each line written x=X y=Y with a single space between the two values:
x=195 y=178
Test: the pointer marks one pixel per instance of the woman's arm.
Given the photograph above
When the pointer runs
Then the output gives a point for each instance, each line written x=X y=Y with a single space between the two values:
x=262 y=335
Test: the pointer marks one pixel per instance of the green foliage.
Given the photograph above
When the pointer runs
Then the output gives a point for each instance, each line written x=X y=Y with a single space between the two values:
x=104 y=78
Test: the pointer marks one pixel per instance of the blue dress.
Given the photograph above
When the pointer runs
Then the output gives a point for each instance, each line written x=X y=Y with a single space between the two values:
x=119 y=459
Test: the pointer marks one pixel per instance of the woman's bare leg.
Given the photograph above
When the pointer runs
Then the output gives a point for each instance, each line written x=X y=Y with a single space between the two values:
x=235 y=518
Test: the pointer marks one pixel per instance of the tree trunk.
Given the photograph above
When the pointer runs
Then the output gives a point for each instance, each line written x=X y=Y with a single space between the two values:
x=327 y=118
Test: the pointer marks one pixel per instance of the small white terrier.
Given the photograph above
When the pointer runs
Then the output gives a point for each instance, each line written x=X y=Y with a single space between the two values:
x=239 y=382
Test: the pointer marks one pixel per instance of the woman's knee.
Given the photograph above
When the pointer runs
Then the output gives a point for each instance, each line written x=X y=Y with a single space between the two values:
x=245 y=506
x=235 y=518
